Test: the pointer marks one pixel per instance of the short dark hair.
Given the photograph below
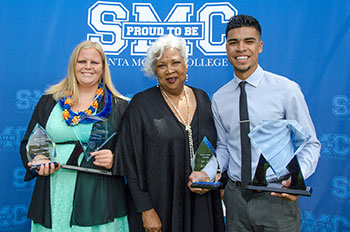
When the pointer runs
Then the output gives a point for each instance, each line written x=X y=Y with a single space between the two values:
x=243 y=21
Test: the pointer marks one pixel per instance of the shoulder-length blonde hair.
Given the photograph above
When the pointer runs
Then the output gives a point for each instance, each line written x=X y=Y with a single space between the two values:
x=70 y=83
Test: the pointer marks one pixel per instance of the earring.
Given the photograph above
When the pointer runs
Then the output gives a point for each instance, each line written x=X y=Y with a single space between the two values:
x=157 y=83
x=186 y=77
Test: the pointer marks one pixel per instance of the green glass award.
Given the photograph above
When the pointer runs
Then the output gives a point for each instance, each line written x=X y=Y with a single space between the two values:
x=205 y=155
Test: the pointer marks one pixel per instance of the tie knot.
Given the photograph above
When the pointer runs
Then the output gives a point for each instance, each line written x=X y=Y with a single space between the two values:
x=242 y=84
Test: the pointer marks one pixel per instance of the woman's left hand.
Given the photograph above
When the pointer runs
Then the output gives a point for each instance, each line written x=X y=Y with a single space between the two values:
x=103 y=158
x=195 y=177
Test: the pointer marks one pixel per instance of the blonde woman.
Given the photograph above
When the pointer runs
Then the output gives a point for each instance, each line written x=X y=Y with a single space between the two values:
x=68 y=200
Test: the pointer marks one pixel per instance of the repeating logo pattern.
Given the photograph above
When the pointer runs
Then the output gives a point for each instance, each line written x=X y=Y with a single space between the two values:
x=336 y=146
x=324 y=222
x=341 y=107
x=125 y=34
x=341 y=188
x=26 y=99
x=10 y=137
x=13 y=217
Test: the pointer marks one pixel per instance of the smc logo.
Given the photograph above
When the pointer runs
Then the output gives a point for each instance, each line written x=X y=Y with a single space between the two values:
x=324 y=223
x=27 y=99
x=341 y=187
x=10 y=137
x=18 y=180
x=341 y=106
x=335 y=145
x=13 y=216
x=112 y=28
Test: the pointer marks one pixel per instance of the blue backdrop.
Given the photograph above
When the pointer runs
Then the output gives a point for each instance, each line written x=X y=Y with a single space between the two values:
x=307 y=41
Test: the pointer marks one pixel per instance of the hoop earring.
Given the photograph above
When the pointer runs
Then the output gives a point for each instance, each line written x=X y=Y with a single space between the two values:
x=157 y=83
x=186 y=77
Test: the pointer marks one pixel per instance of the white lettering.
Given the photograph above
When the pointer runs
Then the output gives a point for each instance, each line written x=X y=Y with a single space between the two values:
x=111 y=28
x=217 y=62
x=205 y=14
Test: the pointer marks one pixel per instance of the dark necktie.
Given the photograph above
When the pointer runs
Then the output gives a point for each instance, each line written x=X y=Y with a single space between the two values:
x=245 y=142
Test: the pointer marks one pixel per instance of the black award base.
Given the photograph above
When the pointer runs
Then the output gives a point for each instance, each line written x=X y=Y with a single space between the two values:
x=72 y=163
x=84 y=169
x=297 y=186
x=307 y=192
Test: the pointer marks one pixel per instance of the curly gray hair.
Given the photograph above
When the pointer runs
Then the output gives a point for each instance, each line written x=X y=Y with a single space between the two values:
x=155 y=52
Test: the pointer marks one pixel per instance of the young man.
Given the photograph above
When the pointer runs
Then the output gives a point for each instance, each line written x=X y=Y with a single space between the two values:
x=267 y=97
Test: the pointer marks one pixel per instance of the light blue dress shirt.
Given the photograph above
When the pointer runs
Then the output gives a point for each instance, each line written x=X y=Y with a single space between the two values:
x=270 y=97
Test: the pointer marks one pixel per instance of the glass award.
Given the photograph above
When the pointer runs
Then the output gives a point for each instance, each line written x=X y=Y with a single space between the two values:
x=40 y=148
x=88 y=141
x=279 y=142
x=102 y=132
x=205 y=156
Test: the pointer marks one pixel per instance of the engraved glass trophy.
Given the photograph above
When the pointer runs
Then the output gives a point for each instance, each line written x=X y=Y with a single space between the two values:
x=94 y=140
x=205 y=156
x=279 y=142
x=41 y=148
x=100 y=136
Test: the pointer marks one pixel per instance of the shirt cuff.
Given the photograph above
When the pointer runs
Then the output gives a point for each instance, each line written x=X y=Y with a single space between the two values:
x=211 y=169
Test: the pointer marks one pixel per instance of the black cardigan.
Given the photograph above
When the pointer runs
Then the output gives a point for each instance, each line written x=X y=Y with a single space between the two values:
x=153 y=153
x=107 y=204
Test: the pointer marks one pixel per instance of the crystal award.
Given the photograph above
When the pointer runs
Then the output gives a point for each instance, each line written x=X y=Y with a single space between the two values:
x=279 y=142
x=41 y=148
x=102 y=132
x=205 y=155
x=101 y=135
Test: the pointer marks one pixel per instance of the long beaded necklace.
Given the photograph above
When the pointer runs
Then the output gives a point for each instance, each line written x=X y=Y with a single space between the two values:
x=187 y=124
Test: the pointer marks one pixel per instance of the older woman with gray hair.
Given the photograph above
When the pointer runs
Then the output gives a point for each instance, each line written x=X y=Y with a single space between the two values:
x=161 y=129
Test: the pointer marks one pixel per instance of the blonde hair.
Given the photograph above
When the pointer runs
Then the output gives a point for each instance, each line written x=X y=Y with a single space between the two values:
x=70 y=83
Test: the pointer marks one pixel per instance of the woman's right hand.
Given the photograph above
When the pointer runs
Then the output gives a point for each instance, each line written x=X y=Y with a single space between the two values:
x=151 y=221
x=46 y=168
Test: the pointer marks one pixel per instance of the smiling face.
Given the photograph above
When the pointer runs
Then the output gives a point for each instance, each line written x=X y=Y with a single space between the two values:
x=171 y=71
x=89 y=67
x=243 y=46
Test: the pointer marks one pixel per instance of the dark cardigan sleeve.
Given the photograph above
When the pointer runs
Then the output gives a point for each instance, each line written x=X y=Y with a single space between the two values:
x=40 y=209
x=129 y=162
x=40 y=115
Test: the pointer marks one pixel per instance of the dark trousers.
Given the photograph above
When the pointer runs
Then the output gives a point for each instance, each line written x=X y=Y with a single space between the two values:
x=262 y=213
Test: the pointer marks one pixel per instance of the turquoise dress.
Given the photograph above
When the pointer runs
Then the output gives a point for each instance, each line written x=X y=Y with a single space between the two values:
x=63 y=181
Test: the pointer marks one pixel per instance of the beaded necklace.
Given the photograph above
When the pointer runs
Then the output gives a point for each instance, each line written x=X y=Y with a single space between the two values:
x=72 y=118
x=187 y=124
